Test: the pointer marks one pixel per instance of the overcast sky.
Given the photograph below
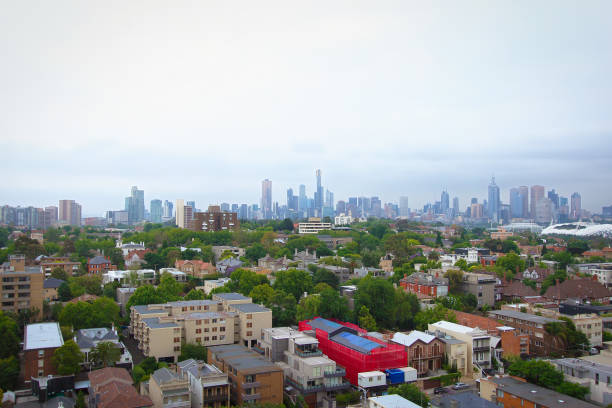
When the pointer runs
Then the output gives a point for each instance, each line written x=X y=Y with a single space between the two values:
x=202 y=100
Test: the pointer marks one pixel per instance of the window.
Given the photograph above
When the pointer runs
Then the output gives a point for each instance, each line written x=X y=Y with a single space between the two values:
x=177 y=348
x=198 y=322
x=214 y=338
x=249 y=316
x=177 y=339
x=500 y=394
x=206 y=338
x=191 y=308
x=206 y=330
x=596 y=378
x=249 y=333
x=198 y=331
x=41 y=363
x=250 y=324
x=198 y=339
x=222 y=329
x=214 y=329
x=41 y=353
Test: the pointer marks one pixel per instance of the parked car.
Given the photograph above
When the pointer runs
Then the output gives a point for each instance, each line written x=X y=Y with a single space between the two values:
x=440 y=390
x=460 y=386
x=593 y=351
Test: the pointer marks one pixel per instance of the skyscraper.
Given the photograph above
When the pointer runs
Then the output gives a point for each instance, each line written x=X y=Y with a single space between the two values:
x=444 y=202
x=554 y=198
x=404 y=210
x=180 y=213
x=168 y=209
x=266 y=198
x=524 y=192
x=516 y=203
x=537 y=193
x=156 y=211
x=455 y=206
x=191 y=204
x=69 y=212
x=576 y=206
x=493 y=202
x=134 y=205
x=319 y=194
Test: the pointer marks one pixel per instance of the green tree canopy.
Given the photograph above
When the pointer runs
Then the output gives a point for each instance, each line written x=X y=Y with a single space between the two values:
x=412 y=393
x=366 y=320
x=294 y=282
x=105 y=353
x=68 y=358
x=195 y=351
x=9 y=339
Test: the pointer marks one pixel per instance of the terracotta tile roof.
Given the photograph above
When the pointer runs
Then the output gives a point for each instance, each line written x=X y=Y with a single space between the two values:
x=180 y=263
x=518 y=289
x=113 y=388
x=578 y=288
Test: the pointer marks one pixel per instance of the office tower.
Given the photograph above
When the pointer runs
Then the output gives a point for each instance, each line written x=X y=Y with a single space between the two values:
x=266 y=198
x=554 y=198
x=543 y=212
x=563 y=201
x=329 y=199
x=224 y=207
x=303 y=200
x=134 y=205
x=476 y=210
x=70 y=212
x=340 y=207
x=444 y=202
x=191 y=204
x=516 y=203
x=243 y=212
x=576 y=206
x=375 y=206
x=235 y=208
x=474 y=200
x=180 y=213
x=290 y=200
x=156 y=211
x=168 y=209
x=404 y=210
x=524 y=192
x=319 y=193
x=455 y=206
x=493 y=202
x=537 y=193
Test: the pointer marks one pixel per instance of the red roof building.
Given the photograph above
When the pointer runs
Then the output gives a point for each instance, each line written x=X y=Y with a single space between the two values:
x=350 y=346
x=111 y=387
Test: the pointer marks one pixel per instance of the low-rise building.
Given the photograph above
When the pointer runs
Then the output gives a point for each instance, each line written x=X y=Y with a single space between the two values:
x=99 y=265
x=512 y=392
x=123 y=296
x=168 y=389
x=253 y=378
x=273 y=264
x=112 y=387
x=88 y=339
x=602 y=271
x=591 y=325
x=596 y=376
x=228 y=265
x=477 y=340
x=425 y=284
x=195 y=268
x=40 y=342
x=480 y=285
x=512 y=341
x=219 y=250
x=48 y=264
x=456 y=352
x=210 y=387
x=211 y=284
x=313 y=226
x=425 y=351
x=140 y=277
x=585 y=290
x=390 y=401
x=461 y=400
x=50 y=287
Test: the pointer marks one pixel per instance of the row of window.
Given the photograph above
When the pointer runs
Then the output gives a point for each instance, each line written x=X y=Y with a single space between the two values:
x=207 y=338
x=214 y=329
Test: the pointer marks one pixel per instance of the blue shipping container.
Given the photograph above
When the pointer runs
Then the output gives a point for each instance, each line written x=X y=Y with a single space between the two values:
x=394 y=376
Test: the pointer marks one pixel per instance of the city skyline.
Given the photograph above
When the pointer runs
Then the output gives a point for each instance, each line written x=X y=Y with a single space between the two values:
x=388 y=99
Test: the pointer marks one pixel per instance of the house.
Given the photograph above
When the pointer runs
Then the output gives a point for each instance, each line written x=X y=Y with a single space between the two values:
x=88 y=339
x=195 y=267
x=513 y=392
x=168 y=389
x=315 y=376
x=135 y=257
x=390 y=401
x=584 y=289
x=596 y=376
x=273 y=264
x=40 y=342
x=386 y=263
x=99 y=265
x=50 y=287
x=48 y=264
x=462 y=400
x=254 y=379
x=425 y=352
x=130 y=246
x=425 y=284
x=209 y=386
x=111 y=387
x=517 y=290
x=228 y=265
x=535 y=274
x=219 y=250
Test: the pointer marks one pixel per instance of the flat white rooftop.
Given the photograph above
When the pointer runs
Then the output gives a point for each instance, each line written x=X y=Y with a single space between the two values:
x=42 y=335
x=457 y=328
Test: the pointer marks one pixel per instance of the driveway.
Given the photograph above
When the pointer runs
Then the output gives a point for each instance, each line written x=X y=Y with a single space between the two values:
x=132 y=347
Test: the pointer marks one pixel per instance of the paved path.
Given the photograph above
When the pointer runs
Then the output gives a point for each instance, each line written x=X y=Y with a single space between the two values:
x=132 y=347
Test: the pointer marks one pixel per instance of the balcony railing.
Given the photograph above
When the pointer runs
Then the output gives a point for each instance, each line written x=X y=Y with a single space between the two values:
x=305 y=354
x=305 y=389
x=251 y=384
x=215 y=398
x=339 y=372
x=251 y=397
x=481 y=348
x=341 y=386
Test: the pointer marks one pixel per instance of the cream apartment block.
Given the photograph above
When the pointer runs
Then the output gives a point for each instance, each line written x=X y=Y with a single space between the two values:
x=478 y=342
x=161 y=329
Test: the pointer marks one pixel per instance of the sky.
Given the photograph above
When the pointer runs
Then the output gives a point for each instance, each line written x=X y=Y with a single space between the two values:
x=202 y=100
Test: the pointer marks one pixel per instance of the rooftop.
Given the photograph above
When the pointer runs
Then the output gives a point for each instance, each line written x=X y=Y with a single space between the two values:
x=393 y=401
x=444 y=325
x=98 y=260
x=523 y=316
x=231 y=296
x=250 y=308
x=358 y=343
x=580 y=364
x=409 y=339
x=324 y=324
x=539 y=395
x=42 y=335
x=163 y=375
x=154 y=323
x=52 y=283
x=465 y=400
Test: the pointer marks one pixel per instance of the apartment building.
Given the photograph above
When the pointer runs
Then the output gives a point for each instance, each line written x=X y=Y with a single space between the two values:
x=596 y=376
x=168 y=389
x=602 y=271
x=218 y=250
x=99 y=265
x=425 y=352
x=48 y=264
x=210 y=387
x=211 y=284
x=513 y=392
x=591 y=325
x=40 y=342
x=22 y=286
x=50 y=287
x=512 y=341
x=456 y=352
x=215 y=220
x=480 y=285
x=478 y=342
x=313 y=226
x=229 y=318
x=541 y=343
x=195 y=268
x=306 y=368
x=253 y=379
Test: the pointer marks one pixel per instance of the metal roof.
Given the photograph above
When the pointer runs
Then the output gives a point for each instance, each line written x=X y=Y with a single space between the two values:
x=524 y=316
x=154 y=323
x=324 y=324
x=231 y=296
x=393 y=401
x=52 y=283
x=250 y=308
x=409 y=339
x=42 y=335
x=352 y=341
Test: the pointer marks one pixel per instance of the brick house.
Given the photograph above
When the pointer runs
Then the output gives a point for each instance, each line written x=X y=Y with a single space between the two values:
x=584 y=289
x=512 y=341
x=99 y=265
x=195 y=267
x=40 y=342
x=425 y=284
x=425 y=352
x=112 y=387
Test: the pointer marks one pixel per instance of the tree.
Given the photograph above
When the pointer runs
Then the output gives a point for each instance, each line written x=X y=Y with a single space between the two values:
x=377 y=295
x=286 y=225
x=80 y=402
x=577 y=246
x=462 y=264
x=195 y=294
x=68 y=358
x=333 y=306
x=366 y=320
x=254 y=252
x=308 y=307
x=145 y=295
x=105 y=353
x=9 y=372
x=262 y=294
x=284 y=308
x=412 y=393
x=294 y=282
x=91 y=283
x=325 y=276
x=537 y=372
x=59 y=273
x=195 y=351
x=455 y=278
x=378 y=229
x=432 y=315
x=511 y=262
x=572 y=389
x=9 y=339
x=169 y=287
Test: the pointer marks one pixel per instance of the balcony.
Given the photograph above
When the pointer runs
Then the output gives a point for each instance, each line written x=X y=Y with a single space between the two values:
x=335 y=387
x=214 y=398
x=251 y=397
x=304 y=389
x=308 y=353
x=482 y=348
x=339 y=372
x=251 y=384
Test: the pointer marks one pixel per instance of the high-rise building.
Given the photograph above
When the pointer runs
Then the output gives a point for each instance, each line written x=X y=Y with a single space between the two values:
x=554 y=198
x=404 y=210
x=168 y=209
x=266 y=198
x=576 y=206
x=134 y=205
x=537 y=193
x=524 y=192
x=544 y=211
x=329 y=199
x=455 y=206
x=180 y=213
x=292 y=200
x=340 y=207
x=516 y=203
x=319 y=194
x=69 y=212
x=50 y=216
x=444 y=202
x=224 y=207
x=156 y=211
x=493 y=202
x=302 y=201
x=191 y=204
x=375 y=206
